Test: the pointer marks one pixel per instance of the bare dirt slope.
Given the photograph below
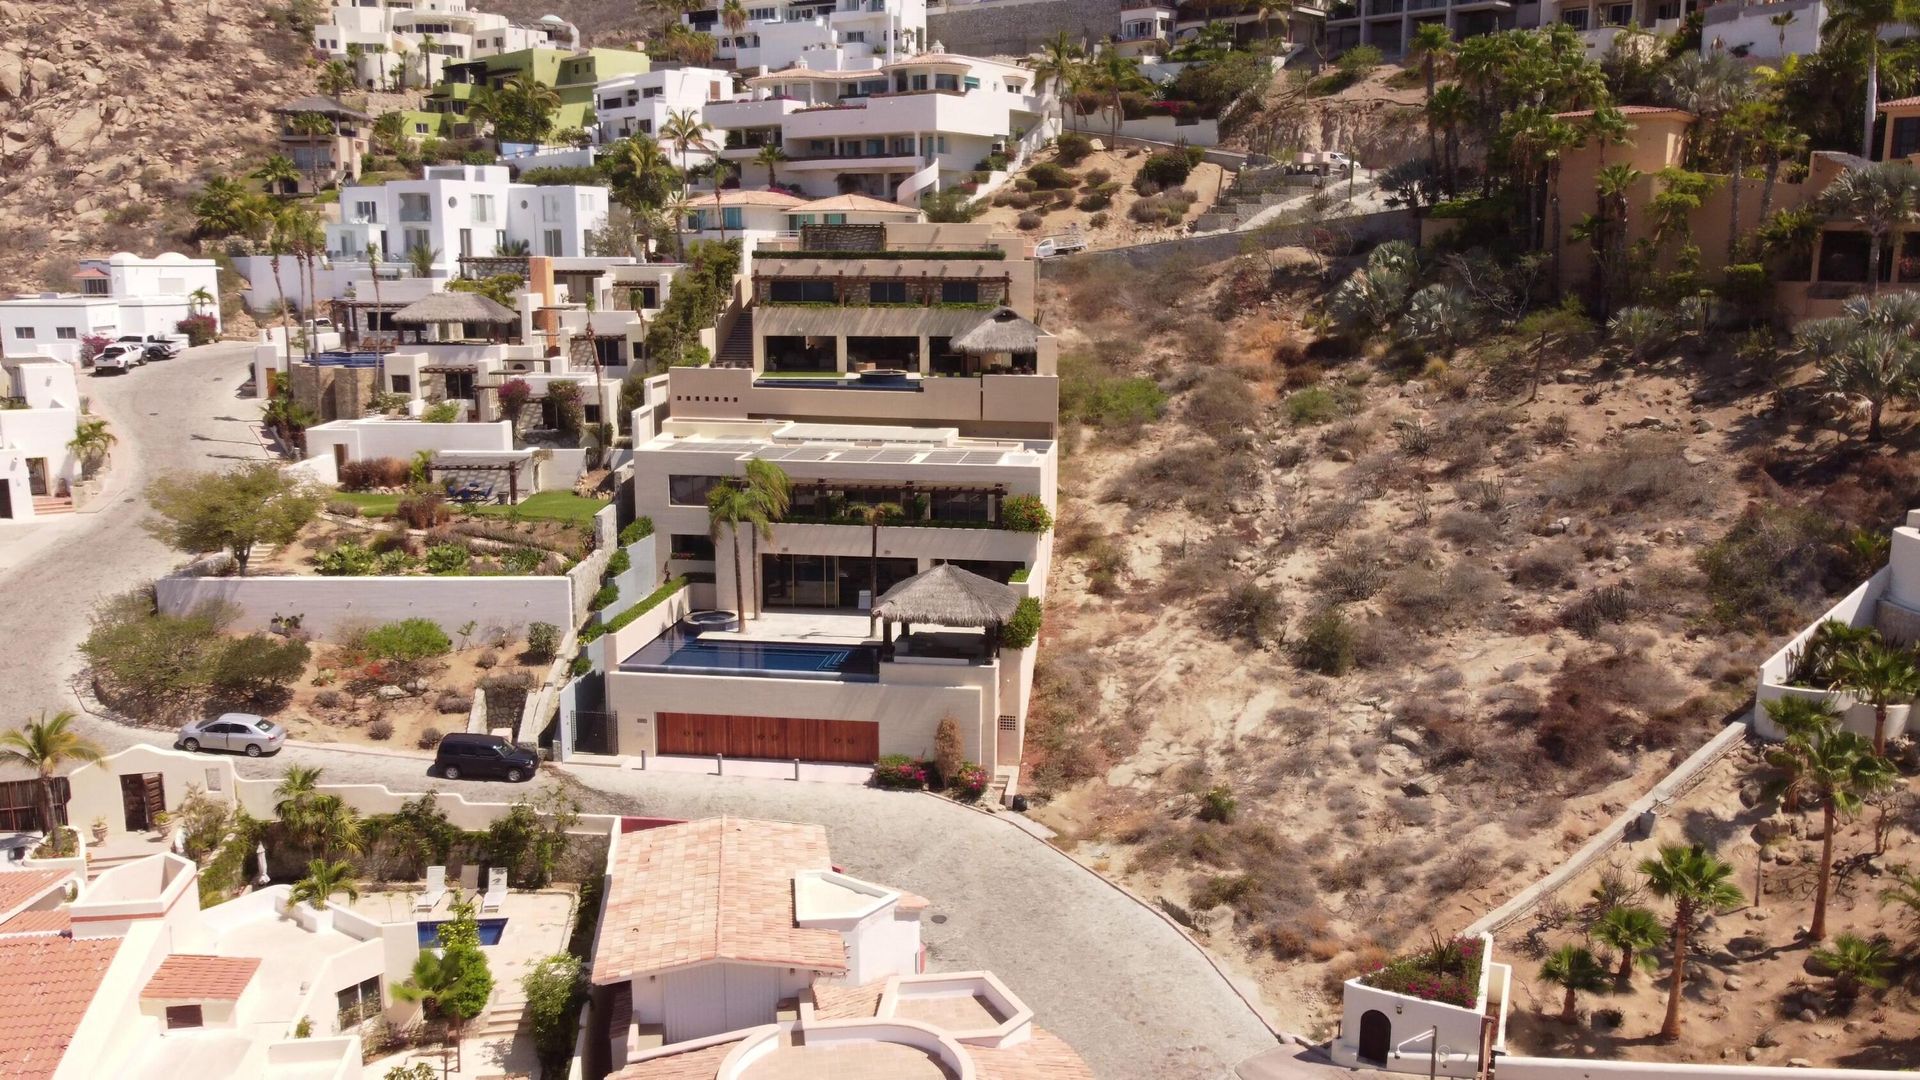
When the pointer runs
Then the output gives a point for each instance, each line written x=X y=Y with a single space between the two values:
x=112 y=115
x=1349 y=646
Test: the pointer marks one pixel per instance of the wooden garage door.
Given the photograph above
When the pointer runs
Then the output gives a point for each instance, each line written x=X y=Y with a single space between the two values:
x=779 y=737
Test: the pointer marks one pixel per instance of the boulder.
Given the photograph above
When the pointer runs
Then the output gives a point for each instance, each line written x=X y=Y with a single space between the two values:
x=13 y=75
x=1734 y=982
x=1800 y=1063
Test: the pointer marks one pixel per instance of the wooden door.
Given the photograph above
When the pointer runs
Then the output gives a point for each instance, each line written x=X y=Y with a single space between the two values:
x=770 y=737
x=1376 y=1037
x=690 y=733
x=133 y=802
x=155 y=790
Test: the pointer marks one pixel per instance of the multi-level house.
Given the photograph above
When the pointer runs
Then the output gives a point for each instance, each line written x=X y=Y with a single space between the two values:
x=889 y=367
x=1388 y=25
x=121 y=294
x=640 y=104
x=1145 y=31
x=777 y=33
x=1298 y=25
x=38 y=413
x=756 y=215
x=893 y=131
x=396 y=43
x=463 y=212
x=573 y=75
x=325 y=154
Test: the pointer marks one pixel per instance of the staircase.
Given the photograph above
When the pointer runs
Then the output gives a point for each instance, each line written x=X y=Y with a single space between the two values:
x=504 y=1020
x=737 y=350
x=45 y=505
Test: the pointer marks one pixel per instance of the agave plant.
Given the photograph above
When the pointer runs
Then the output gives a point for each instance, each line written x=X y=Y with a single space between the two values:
x=1440 y=317
x=1640 y=332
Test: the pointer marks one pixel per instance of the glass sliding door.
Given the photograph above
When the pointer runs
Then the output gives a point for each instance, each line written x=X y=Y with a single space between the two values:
x=826 y=581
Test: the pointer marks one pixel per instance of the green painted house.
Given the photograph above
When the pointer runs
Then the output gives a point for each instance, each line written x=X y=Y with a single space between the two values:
x=572 y=75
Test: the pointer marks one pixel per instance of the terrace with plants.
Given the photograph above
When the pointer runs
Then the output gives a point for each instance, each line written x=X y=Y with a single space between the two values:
x=1446 y=971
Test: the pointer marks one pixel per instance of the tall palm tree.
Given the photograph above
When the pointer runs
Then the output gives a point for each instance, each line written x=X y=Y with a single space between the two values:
x=200 y=299
x=1696 y=881
x=685 y=131
x=44 y=745
x=1116 y=75
x=642 y=177
x=1448 y=109
x=769 y=487
x=1431 y=44
x=277 y=172
x=729 y=506
x=336 y=78
x=324 y=880
x=722 y=169
x=1635 y=932
x=769 y=158
x=733 y=15
x=1857 y=963
x=1880 y=197
x=873 y=516
x=91 y=443
x=1840 y=769
x=280 y=231
x=373 y=267
x=1780 y=23
x=1881 y=675
x=1862 y=21
x=316 y=127
x=305 y=237
x=400 y=63
x=1805 y=722
x=1060 y=63
x=1573 y=969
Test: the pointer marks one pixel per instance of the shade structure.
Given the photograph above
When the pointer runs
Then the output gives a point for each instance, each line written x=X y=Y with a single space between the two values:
x=455 y=307
x=331 y=108
x=1002 y=331
x=948 y=596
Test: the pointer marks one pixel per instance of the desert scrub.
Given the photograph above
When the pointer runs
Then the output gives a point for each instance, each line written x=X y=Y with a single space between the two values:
x=1772 y=566
x=1645 y=474
x=1317 y=405
x=1327 y=643
x=1251 y=612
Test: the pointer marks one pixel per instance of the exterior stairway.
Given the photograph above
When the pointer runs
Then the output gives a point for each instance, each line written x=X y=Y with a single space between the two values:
x=44 y=505
x=737 y=350
x=503 y=1021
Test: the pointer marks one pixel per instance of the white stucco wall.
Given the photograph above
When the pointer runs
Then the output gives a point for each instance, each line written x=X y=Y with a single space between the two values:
x=329 y=603
x=378 y=437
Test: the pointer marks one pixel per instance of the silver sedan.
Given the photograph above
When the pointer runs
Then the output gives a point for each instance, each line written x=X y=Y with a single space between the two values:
x=239 y=732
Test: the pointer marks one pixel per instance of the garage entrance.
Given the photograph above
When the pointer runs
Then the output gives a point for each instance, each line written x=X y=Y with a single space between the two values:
x=778 y=737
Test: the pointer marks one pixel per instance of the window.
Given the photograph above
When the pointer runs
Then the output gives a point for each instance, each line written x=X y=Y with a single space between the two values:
x=610 y=351
x=887 y=292
x=184 y=1016
x=402 y=384
x=358 y=1002
x=466 y=243
x=552 y=207
x=416 y=207
x=946 y=82
x=694 y=547
x=1576 y=18
x=459 y=385
x=919 y=82
x=800 y=292
x=66 y=333
x=959 y=506
x=730 y=217
x=418 y=238
x=550 y=242
x=24 y=333
x=970 y=83
x=94 y=287
x=483 y=209
x=1906 y=136
x=366 y=212
x=690 y=490
x=959 y=292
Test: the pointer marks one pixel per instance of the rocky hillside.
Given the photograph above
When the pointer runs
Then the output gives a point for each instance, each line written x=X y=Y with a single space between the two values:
x=110 y=121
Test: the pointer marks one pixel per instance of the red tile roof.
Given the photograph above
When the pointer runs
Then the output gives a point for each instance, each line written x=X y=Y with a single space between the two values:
x=1900 y=101
x=859 y=203
x=46 y=984
x=188 y=977
x=1629 y=110
x=19 y=887
x=52 y=921
x=1044 y=1056
x=720 y=889
x=701 y=1064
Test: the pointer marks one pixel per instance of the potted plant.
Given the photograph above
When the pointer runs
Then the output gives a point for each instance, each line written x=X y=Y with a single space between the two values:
x=99 y=830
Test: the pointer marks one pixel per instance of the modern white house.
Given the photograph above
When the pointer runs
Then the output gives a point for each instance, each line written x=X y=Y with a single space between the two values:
x=465 y=211
x=778 y=33
x=892 y=129
x=640 y=104
x=383 y=39
x=121 y=294
x=757 y=215
x=38 y=414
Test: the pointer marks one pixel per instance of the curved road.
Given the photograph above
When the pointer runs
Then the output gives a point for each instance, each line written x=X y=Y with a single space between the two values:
x=1129 y=993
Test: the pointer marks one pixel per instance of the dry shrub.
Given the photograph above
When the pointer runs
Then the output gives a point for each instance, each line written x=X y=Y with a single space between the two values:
x=1547 y=566
x=1598 y=706
x=1332 y=517
x=1596 y=610
x=1644 y=474
x=1204 y=480
x=1196 y=568
x=1063 y=720
x=1469 y=528
x=1428 y=598
x=1221 y=405
x=1352 y=573
x=1353 y=436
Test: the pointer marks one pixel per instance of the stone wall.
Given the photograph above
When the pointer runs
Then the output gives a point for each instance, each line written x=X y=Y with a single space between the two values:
x=1342 y=233
x=1017 y=27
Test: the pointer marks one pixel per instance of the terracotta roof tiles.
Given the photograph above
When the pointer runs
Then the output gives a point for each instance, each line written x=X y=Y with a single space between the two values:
x=18 y=887
x=189 y=977
x=46 y=984
x=1044 y=1056
x=701 y=1064
x=859 y=202
x=53 y=921
x=1630 y=110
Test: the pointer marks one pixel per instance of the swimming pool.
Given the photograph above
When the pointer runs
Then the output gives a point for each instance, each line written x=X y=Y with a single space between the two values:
x=490 y=932
x=683 y=653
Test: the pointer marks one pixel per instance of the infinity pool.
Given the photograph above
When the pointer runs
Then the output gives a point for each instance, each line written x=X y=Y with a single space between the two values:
x=491 y=931
x=682 y=653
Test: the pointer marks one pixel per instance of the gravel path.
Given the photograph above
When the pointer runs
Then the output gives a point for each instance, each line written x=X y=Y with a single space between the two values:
x=1129 y=993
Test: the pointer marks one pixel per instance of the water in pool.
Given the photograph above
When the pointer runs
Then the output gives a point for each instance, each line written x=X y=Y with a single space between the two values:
x=490 y=932
x=677 y=650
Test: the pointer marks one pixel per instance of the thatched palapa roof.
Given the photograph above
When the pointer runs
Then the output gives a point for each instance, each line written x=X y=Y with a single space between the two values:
x=455 y=307
x=949 y=596
x=1002 y=331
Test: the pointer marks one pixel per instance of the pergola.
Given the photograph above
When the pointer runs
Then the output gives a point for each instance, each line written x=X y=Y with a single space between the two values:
x=457 y=309
x=948 y=596
x=1002 y=333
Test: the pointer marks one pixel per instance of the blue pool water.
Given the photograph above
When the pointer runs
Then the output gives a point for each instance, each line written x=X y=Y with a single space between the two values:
x=347 y=359
x=896 y=382
x=490 y=932
x=680 y=652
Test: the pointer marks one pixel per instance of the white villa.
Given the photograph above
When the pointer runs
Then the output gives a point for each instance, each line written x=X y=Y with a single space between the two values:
x=41 y=406
x=892 y=129
x=463 y=211
x=758 y=215
x=779 y=32
x=121 y=294
x=640 y=104
x=414 y=40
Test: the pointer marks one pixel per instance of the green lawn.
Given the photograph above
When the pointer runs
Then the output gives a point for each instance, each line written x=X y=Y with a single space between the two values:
x=371 y=504
x=546 y=506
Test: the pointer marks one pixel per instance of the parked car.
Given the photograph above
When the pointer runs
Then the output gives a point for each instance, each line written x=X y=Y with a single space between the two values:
x=117 y=357
x=481 y=756
x=238 y=732
x=159 y=350
x=155 y=346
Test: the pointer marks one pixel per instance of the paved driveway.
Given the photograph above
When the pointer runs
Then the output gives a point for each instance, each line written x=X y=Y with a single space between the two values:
x=1136 y=1000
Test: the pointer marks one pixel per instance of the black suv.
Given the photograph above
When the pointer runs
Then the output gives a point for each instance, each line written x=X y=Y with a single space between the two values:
x=481 y=756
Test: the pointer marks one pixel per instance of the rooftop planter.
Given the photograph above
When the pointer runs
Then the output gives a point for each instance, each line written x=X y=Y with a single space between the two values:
x=1447 y=972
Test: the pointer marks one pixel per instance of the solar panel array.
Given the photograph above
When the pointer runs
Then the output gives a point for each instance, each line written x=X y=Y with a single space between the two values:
x=857 y=455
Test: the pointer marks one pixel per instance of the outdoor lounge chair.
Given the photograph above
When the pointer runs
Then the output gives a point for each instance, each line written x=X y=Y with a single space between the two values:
x=496 y=890
x=436 y=888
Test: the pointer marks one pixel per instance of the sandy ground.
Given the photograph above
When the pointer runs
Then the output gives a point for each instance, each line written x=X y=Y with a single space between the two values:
x=320 y=708
x=1207 y=181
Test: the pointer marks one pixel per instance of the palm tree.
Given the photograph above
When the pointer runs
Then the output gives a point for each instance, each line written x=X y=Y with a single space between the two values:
x=305 y=237
x=1695 y=881
x=333 y=826
x=277 y=172
x=1856 y=963
x=1880 y=197
x=722 y=169
x=1879 y=673
x=1862 y=21
x=769 y=487
x=1805 y=722
x=1840 y=768
x=641 y=176
x=1573 y=969
x=733 y=14
x=316 y=127
x=324 y=880
x=91 y=442
x=279 y=232
x=1780 y=23
x=373 y=267
x=287 y=419
x=730 y=505
x=1264 y=10
x=336 y=78
x=389 y=129
x=873 y=516
x=1904 y=893
x=1060 y=63
x=423 y=258
x=1448 y=109
x=1431 y=44
x=685 y=131
x=1635 y=932
x=769 y=158
x=200 y=299
x=43 y=746
x=1115 y=75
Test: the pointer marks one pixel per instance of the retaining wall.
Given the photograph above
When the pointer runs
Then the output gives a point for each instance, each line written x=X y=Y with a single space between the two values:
x=330 y=603
x=1018 y=27
x=1358 y=229
x=1529 y=1068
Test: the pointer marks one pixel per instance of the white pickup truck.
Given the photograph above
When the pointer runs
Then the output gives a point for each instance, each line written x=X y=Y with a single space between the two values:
x=121 y=356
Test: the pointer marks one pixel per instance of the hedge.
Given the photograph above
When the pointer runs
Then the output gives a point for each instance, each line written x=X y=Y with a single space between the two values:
x=653 y=600
x=1021 y=630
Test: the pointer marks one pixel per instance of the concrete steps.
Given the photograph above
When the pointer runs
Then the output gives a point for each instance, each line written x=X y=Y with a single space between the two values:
x=46 y=505
x=737 y=350
x=503 y=1019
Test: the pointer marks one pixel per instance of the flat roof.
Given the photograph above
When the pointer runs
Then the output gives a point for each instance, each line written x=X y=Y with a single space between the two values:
x=858 y=445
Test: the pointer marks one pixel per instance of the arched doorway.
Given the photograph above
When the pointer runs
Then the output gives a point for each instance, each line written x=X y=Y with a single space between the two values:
x=1376 y=1037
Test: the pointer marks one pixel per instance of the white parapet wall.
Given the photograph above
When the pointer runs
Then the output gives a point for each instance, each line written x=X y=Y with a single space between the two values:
x=328 y=604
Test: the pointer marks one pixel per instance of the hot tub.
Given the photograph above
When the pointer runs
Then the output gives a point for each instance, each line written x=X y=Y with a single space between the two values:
x=700 y=622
